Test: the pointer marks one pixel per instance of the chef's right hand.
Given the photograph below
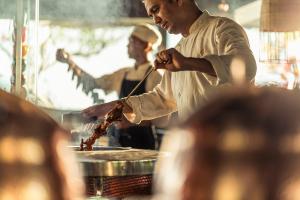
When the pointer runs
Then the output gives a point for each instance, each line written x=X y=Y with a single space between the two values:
x=170 y=59
x=98 y=111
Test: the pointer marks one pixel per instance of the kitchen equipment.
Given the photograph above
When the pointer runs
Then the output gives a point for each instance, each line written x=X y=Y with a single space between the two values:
x=117 y=172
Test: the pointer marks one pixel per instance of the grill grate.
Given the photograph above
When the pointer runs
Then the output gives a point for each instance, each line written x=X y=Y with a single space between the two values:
x=120 y=186
x=91 y=186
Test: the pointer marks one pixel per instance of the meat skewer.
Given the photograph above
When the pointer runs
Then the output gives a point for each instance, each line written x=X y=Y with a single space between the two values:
x=114 y=115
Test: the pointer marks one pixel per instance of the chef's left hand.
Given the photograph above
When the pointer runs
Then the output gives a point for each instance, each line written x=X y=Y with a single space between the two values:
x=169 y=59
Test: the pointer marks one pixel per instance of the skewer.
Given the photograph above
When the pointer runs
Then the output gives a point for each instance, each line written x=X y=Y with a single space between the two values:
x=136 y=87
x=149 y=72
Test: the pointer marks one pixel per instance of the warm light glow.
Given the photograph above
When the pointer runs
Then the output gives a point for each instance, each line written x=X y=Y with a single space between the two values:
x=234 y=140
x=31 y=151
x=33 y=190
x=8 y=153
x=26 y=189
x=22 y=150
x=228 y=187
x=237 y=140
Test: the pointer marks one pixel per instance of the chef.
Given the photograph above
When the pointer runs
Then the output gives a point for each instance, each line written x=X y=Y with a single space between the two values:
x=198 y=65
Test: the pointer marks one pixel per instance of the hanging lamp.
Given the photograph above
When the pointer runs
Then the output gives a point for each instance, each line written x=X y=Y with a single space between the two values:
x=280 y=31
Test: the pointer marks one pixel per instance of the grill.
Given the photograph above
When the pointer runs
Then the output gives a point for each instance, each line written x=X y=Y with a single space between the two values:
x=119 y=186
x=116 y=172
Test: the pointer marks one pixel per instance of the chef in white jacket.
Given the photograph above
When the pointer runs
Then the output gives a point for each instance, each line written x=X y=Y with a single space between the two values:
x=198 y=65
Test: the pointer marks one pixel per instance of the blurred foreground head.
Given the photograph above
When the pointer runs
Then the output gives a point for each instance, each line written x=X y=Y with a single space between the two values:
x=34 y=161
x=244 y=144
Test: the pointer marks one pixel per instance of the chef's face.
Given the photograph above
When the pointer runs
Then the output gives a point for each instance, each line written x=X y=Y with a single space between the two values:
x=135 y=47
x=165 y=13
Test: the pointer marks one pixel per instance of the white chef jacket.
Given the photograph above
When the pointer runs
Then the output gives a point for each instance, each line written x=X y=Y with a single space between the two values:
x=216 y=39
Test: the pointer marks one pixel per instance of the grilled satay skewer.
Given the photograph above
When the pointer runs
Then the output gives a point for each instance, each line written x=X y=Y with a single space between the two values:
x=114 y=115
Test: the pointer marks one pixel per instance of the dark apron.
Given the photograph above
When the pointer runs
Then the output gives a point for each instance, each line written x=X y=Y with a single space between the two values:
x=140 y=137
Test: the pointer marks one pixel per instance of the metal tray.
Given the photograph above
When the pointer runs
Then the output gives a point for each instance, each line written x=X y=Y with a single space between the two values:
x=116 y=161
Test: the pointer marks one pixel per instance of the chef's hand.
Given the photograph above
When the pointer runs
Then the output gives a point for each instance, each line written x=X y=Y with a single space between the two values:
x=169 y=59
x=101 y=110
x=98 y=111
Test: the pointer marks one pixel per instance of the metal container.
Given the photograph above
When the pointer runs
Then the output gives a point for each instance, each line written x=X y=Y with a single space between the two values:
x=117 y=172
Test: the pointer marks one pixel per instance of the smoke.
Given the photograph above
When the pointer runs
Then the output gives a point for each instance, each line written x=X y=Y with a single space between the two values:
x=101 y=11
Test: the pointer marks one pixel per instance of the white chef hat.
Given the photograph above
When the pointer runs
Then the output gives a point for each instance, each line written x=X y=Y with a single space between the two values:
x=147 y=33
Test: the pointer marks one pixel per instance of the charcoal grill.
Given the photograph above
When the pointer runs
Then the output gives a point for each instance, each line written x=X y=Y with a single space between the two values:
x=116 y=172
